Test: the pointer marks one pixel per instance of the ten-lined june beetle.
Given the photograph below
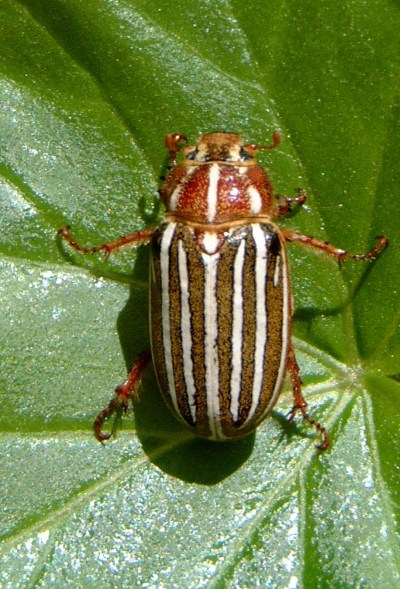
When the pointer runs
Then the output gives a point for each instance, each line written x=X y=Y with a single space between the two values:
x=220 y=302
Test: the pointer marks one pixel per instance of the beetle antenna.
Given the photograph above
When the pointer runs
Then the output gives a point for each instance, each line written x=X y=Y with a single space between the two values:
x=276 y=138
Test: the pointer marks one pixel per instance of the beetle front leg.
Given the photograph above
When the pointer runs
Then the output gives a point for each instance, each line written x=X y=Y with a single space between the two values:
x=123 y=394
x=284 y=204
x=338 y=253
x=135 y=238
x=300 y=403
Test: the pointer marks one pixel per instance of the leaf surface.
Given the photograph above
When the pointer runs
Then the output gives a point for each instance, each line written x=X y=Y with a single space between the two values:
x=89 y=89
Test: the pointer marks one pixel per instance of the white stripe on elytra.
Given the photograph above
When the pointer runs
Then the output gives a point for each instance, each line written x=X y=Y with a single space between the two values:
x=212 y=192
x=186 y=329
x=285 y=331
x=283 y=275
x=260 y=272
x=277 y=273
x=237 y=331
x=165 y=306
x=210 y=344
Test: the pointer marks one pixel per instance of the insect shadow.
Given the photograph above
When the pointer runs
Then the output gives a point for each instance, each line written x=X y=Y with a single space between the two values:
x=168 y=443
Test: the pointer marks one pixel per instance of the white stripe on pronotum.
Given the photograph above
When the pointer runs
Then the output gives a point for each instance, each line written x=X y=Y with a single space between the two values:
x=255 y=200
x=175 y=196
x=212 y=193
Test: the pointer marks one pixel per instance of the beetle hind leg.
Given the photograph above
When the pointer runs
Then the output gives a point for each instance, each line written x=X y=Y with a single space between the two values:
x=123 y=394
x=300 y=403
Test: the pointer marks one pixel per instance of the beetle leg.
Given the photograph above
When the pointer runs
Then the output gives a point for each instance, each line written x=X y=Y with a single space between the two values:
x=135 y=238
x=340 y=254
x=123 y=393
x=172 y=141
x=284 y=204
x=300 y=403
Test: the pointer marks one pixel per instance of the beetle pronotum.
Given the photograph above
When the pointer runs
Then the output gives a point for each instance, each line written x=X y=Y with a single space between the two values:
x=220 y=303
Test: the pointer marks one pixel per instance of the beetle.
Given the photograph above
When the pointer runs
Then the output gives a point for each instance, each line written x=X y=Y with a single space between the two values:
x=220 y=300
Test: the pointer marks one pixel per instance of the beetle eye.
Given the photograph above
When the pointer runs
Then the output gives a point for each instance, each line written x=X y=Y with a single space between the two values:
x=192 y=155
x=244 y=155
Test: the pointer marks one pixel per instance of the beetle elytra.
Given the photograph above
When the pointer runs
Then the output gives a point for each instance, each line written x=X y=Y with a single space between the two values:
x=220 y=301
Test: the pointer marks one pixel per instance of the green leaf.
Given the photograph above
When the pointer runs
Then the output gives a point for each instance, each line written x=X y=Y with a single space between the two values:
x=89 y=89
